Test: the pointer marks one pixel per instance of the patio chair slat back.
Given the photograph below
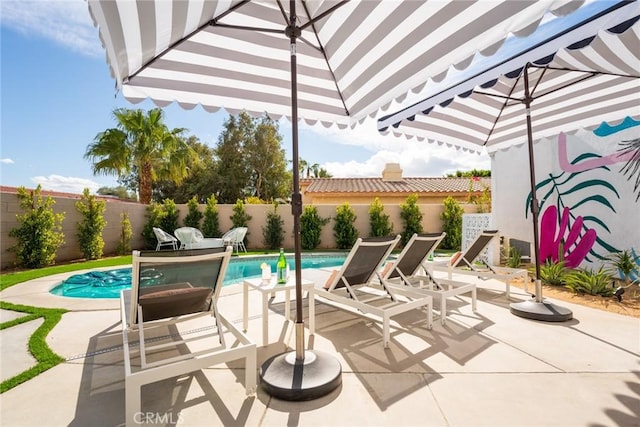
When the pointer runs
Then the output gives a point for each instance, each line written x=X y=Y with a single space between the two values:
x=418 y=248
x=365 y=258
x=476 y=248
x=173 y=283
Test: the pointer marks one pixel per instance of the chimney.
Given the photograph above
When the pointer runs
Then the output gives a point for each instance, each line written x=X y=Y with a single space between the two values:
x=392 y=172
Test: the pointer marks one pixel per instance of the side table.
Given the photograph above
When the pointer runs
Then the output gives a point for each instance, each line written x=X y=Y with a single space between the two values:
x=271 y=288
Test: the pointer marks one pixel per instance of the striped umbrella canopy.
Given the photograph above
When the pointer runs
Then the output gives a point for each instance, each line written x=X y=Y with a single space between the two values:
x=575 y=78
x=578 y=78
x=352 y=57
x=328 y=61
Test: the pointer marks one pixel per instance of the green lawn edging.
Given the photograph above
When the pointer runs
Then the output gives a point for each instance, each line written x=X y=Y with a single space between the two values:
x=45 y=357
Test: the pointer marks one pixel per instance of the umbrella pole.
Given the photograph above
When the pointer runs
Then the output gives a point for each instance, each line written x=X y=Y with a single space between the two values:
x=537 y=309
x=298 y=375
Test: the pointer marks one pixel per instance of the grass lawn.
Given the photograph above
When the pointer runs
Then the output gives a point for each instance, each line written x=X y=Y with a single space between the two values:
x=45 y=357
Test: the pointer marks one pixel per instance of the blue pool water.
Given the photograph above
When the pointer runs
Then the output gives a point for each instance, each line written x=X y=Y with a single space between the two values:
x=109 y=283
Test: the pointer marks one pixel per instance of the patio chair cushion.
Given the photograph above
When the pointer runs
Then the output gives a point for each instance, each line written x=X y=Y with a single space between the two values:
x=329 y=281
x=455 y=257
x=174 y=302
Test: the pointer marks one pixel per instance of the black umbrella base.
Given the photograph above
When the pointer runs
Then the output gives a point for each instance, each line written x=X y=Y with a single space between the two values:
x=544 y=311
x=284 y=377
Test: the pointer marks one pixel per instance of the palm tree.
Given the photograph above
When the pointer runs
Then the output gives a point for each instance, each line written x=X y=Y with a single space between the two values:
x=142 y=143
x=302 y=166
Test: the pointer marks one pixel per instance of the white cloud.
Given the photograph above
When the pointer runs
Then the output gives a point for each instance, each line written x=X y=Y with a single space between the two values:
x=7 y=161
x=66 y=22
x=416 y=158
x=66 y=184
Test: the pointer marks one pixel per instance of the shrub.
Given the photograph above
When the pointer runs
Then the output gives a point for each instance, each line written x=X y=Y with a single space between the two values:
x=169 y=221
x=39 y=232
x=240 y=218
x=211 y=224
x=553 y=273
x=589 y=282
x=378 y=220
x=411 y=218
x=311 y=227
x=155 y=213
x=253 y=200
x=92 y=224
x=452 y=224
x=344 y=231
x=483 y=201
x=273 y=231
x=514 y=260
x=194 y=216
x=126 y=232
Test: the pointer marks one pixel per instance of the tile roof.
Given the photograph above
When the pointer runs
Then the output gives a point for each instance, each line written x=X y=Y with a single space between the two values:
x=405 y=185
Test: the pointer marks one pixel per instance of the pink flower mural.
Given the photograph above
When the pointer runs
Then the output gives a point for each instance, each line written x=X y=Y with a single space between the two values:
x=576 y=245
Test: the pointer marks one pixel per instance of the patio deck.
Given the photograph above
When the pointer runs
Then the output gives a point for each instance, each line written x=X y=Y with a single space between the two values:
x=491 y=368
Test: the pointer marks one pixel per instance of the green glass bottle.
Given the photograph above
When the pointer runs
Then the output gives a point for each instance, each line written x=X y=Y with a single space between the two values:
x=281 y=268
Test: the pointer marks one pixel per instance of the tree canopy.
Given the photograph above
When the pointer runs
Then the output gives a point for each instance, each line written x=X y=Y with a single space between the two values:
x=247 y=160
x=141 y=144
x=480 y=173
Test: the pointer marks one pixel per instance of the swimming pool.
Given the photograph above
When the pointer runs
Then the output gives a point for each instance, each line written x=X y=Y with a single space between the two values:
x=109 y=283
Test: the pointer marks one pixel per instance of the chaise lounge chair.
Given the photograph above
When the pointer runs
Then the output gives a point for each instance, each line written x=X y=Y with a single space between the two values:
x=464 y=263
x=192 y=238
x=171 y=289
x=351 y=287
x=409 y=269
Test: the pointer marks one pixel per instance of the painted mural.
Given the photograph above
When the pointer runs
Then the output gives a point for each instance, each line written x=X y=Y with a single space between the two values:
x=567 y=235
x=588 y=187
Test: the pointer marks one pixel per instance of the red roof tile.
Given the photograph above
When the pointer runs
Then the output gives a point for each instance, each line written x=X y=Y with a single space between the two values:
x=405 y=185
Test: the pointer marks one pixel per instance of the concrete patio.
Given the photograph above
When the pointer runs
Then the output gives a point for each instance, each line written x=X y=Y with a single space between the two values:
x=485 y=369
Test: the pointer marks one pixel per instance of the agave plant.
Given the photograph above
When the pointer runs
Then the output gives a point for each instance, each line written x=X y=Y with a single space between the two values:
x=515 y=259
x=590 y=282
x=553 y=273
x=626 y=265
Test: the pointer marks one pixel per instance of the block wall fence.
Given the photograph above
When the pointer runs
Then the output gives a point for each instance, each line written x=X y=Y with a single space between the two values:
x=70 y=251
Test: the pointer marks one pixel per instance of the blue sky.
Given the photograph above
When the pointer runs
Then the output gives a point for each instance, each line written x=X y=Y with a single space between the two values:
x=57 y=94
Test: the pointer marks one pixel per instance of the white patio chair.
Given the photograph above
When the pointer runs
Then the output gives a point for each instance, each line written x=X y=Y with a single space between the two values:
x=235 y=238
x=172 y=288
x=464 y=263
x=410 y=270
x=164 y=239
x=352 y=288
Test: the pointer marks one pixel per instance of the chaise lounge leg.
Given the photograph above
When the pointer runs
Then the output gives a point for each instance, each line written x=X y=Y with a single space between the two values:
x=250 y=379
x=385 y=331
x=474 y=297
x=133 y=402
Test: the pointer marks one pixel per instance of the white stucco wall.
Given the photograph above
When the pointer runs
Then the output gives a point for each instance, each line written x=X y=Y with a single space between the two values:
x=620 y=227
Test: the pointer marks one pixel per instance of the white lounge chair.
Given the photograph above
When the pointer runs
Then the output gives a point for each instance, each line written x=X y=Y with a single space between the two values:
x=465 y=263
x=410 y=269
x=192 y=238
x=351 y=287
x=171 y=288
x=164 y=239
